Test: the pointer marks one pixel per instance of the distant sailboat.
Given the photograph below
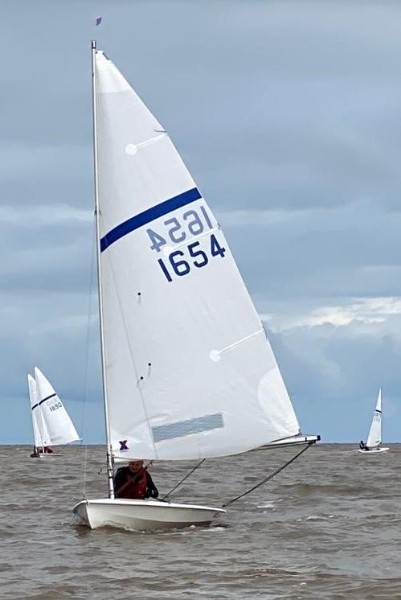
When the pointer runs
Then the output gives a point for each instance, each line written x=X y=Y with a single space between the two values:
x=190 y=373
x=373 y=443
x=40 y=433
x=52 y=426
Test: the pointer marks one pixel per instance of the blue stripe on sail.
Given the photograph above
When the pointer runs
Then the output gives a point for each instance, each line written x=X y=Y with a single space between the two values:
x=183 y=428
x=147 y=216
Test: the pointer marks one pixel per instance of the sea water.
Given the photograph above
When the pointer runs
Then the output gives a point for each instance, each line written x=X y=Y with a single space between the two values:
x=327 y=527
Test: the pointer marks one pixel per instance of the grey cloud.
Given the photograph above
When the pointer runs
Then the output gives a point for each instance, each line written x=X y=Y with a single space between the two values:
x=49 y=331
x=354 y=251
x=333 y=375
x=38 y=175
x=274 y=106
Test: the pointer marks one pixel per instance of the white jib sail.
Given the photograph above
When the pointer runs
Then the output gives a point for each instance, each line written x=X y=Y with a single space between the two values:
x=375 y=432
x=59 y=426
x=40 y=433
x=189 y=371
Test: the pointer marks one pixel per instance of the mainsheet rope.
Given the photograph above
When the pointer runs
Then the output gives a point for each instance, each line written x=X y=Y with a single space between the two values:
x=182 y=480
x=269 y=477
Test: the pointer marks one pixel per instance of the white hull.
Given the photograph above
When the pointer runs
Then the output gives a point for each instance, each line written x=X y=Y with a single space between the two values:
x=143 y=515
x=48 y=455
x=373 y=450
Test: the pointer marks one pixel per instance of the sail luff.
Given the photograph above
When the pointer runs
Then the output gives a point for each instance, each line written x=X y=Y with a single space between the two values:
x=109 y=459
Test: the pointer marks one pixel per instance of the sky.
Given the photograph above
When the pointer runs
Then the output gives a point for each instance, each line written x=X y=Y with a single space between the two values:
x=288 y=115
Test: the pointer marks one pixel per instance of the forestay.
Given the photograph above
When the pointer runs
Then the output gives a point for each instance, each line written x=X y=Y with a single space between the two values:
x=375 y=432
x=59 y=426
x=40 y=433
x=189 y=371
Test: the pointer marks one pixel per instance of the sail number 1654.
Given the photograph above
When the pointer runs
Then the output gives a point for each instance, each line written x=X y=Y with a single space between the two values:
x=192 y=223
x=179 y=263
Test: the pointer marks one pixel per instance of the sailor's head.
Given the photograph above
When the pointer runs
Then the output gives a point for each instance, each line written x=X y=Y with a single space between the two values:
x=135 y=465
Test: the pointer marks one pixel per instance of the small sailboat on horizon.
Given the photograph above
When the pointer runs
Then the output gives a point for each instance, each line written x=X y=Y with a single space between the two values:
x=373 y=443
x=188 y=372
x=52 y=425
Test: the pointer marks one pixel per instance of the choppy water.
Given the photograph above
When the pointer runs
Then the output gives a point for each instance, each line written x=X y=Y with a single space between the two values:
x=327 y=527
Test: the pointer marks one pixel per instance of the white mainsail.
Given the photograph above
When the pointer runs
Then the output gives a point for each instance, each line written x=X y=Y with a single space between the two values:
x=189 y=371
x=40 y=433
x=58 y=425
x=375 y=432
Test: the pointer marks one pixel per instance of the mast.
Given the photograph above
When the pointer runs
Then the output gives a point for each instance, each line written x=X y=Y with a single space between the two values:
x=99 y=282
x=42 y=421
x=41 y=418
x=37 y=431
x=379 y=408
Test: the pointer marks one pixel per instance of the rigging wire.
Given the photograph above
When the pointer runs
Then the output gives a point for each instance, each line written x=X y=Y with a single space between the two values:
x=86 y=365
x=182 y=480
x=269 y=477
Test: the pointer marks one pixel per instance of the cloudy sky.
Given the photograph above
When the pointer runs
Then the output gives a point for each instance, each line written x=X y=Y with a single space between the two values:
x=287 y=113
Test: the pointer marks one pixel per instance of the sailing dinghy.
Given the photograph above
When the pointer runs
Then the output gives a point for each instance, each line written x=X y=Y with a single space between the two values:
x=52 y=425
x=373 y=443
x=187 y=370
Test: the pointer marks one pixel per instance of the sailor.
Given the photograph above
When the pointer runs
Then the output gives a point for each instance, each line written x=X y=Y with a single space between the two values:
x=35 y=453
x=134 y=482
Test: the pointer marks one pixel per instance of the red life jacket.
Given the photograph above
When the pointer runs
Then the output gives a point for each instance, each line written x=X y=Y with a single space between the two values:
x=136 y=489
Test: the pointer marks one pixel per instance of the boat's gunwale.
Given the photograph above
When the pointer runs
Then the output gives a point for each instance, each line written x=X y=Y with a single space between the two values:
x=147 y=503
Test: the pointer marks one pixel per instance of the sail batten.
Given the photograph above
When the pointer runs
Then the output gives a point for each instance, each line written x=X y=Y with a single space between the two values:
x=188 y=373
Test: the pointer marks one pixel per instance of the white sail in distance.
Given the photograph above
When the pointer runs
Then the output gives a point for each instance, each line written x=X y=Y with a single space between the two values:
x=189 y=370
x=375 y=432
x=60 y=428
